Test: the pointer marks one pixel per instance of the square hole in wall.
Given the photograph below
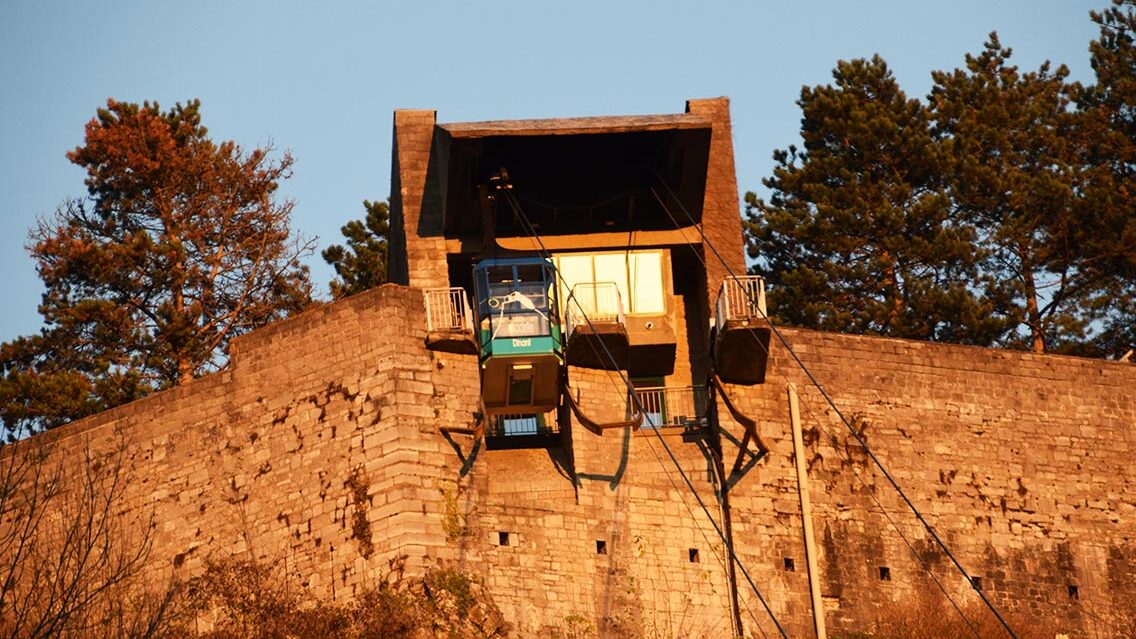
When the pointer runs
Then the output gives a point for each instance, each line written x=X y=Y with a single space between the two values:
x=1074 y=592
x=789 y=565
x=976 y=582
x=692 y=554
x=502 y=538
x=885 y=573
x=601 y=547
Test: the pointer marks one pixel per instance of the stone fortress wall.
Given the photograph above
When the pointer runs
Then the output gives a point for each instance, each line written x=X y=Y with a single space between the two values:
x=1021 y=463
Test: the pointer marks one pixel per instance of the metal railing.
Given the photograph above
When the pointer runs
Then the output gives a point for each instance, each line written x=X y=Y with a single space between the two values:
x=520 y=425
x=447 y=309
x=598 y=302
x=740 y=299
x=671 y=406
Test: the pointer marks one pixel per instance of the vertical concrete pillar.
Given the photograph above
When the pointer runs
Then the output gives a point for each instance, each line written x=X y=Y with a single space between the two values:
x=721 y=214
x=806 y=514
x=417 y=245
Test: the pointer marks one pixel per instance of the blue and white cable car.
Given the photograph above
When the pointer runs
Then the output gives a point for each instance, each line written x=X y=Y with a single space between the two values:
x=519 y=338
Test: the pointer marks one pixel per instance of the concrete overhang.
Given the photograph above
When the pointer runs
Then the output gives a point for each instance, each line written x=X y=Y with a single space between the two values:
x=612 y=174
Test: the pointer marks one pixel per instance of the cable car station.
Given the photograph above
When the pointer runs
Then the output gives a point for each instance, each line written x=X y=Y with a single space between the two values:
x=546 y=247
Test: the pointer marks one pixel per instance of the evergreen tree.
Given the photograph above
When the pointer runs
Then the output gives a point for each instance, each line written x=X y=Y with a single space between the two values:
x=857 y=234
x=1011 y=142
x=363 y=263
x=1107 y=232
x=179 y=246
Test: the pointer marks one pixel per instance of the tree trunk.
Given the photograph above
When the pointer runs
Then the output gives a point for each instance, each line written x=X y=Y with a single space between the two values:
x=891 y=285
x=1033 y=313
x=185 y=370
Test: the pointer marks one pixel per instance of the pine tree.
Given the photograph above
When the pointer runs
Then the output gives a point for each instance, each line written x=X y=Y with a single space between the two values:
x=363 y=263
x=1011 y=142
x=857 y=234
x=1107 y=232
x=179 y=246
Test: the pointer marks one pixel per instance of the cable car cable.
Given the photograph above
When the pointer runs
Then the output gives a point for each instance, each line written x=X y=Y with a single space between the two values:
x=871 y=494
x=670 y=479
x=923 y=565
x=545 y=253
x=859 y=439
x=863 y=444
x=519 y=212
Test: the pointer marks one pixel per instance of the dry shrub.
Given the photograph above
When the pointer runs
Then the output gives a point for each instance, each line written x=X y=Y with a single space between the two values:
x=72 y=561
x=247 y=600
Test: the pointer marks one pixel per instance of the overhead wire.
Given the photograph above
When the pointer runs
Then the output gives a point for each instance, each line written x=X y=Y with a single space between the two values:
x=519 y=212
x=670 y=479
x=907 y=542
x=954 y=604
x=547 y=255
x=859 y=439
x=701 y=530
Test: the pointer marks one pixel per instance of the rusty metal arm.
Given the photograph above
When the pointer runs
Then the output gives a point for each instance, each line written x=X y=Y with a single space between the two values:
x=747 y=423
x=634 y=422
x=478 y=428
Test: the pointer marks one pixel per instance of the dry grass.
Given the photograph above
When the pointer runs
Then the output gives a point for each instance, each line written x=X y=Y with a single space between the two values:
x=927 y=618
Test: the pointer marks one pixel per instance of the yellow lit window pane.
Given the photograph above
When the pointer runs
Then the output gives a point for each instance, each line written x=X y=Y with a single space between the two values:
x=646 y=275
x=638 y=275
x=612 y=267
x=574 y=269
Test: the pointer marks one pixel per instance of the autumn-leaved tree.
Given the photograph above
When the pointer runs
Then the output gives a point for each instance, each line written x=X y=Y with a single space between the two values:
x=180 y=245
x=362 y=264
x=857 y=234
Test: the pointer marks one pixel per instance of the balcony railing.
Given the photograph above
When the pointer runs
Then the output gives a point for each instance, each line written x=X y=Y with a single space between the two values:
x=594 y=302
x=447 y=309
x=522 y=425
x=740 y=299
x=671 y=406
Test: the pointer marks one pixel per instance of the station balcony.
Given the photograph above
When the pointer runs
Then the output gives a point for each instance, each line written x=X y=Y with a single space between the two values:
x=679 y=408
x=596 y=326
x=742 y=331
x=449 y=321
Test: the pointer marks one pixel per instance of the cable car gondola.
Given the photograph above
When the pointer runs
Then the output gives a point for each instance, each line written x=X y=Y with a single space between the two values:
x=519 y=338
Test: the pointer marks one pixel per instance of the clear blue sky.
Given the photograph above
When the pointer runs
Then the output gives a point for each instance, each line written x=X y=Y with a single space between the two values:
x=322 y=79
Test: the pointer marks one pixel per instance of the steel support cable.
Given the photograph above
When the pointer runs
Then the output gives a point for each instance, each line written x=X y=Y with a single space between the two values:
x=914 y=553
x=627 y=384
x=871 y=494
x=670 y=478
x=685 y=503
x=639 y=408
x=701 y=531
x=860 y=440
x=519 y=212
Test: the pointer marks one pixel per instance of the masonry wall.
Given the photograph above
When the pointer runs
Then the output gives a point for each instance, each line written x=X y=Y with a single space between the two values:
x=1019 y=461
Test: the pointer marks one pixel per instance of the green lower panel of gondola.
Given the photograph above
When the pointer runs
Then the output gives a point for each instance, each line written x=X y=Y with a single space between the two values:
x=515 y=346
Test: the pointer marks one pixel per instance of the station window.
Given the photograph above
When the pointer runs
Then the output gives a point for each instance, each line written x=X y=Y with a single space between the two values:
x=640 y=277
